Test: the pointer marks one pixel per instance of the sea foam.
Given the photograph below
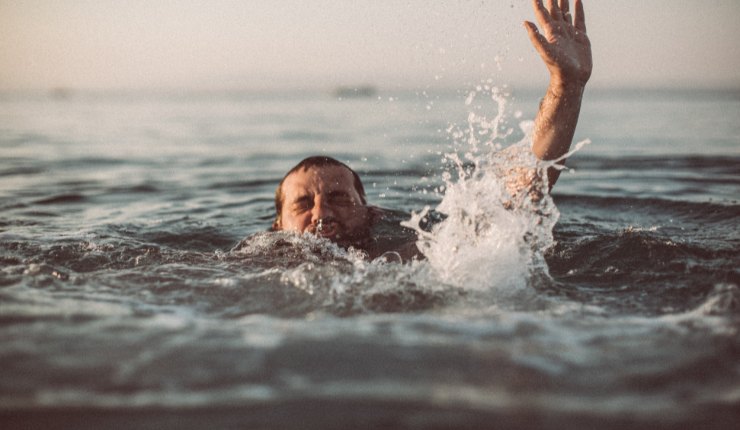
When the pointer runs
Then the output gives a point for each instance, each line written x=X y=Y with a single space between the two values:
x=498 y=213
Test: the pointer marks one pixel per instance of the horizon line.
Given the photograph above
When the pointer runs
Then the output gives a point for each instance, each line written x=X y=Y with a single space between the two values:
x=384 y=89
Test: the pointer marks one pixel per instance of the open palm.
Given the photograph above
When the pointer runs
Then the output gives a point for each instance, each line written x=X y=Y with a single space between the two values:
x=563 y=43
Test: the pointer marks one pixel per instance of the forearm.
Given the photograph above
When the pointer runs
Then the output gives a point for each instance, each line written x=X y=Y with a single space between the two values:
x=566 y=51
x=556 y=121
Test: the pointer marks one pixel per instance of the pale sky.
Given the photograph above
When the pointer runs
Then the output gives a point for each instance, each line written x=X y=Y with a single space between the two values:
x=225 y=44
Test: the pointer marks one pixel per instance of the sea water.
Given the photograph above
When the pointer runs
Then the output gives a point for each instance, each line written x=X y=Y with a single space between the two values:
x=139 y=287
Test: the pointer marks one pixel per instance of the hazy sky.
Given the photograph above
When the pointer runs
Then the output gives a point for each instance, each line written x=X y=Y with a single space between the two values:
x=323 y=43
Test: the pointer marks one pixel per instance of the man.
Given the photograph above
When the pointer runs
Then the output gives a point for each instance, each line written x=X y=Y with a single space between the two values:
x=325 y=197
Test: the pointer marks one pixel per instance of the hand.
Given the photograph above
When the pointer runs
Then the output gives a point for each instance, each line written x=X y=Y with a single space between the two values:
x=563 y=43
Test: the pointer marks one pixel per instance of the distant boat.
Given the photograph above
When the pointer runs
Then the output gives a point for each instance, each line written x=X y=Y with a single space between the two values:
x=60 y=93
x=355 y=92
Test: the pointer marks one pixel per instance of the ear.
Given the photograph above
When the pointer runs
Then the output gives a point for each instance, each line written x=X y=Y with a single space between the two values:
x=276 y=225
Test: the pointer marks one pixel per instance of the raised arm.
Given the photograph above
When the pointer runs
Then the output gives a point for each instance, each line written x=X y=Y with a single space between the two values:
x=566 y=51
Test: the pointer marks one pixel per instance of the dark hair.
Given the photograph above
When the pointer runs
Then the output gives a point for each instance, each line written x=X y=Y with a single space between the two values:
x=307 y=163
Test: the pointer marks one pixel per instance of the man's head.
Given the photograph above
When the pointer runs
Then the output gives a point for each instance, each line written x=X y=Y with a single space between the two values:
x=322 y=196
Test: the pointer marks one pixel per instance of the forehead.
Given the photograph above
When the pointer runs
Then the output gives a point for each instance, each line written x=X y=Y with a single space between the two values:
x=319 y=179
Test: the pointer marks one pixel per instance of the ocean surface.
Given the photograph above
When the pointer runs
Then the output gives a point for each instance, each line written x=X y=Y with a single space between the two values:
x=139 y=287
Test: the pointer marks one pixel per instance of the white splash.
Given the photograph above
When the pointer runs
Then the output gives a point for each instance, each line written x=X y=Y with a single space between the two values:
x=499 y=215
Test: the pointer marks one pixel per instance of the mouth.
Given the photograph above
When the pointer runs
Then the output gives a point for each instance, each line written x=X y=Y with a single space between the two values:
x=328 y=230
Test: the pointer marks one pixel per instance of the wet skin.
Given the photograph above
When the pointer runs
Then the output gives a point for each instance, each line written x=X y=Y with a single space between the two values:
x=324 y=202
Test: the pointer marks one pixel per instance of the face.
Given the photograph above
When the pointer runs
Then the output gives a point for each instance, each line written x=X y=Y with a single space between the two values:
x=323 y=201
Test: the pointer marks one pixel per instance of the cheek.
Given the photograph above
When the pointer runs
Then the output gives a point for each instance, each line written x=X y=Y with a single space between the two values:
x=296 y=222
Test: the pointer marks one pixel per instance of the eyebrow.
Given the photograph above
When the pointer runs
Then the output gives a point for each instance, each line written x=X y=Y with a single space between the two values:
x=339 y=193
x=301 y=198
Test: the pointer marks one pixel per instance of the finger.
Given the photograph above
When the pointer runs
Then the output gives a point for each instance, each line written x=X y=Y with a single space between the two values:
x=554 y=10
x=538 y=40
x=543 y=17
x=565 y=8
x=579 y=21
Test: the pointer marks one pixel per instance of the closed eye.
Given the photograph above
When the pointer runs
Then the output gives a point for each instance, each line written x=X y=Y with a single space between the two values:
x=302 y=203
x=341 y=198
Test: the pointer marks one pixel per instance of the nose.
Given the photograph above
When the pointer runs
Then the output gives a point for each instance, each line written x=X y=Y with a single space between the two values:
x=320 y=210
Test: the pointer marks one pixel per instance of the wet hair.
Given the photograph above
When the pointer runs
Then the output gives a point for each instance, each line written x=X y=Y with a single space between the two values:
x=310 y=162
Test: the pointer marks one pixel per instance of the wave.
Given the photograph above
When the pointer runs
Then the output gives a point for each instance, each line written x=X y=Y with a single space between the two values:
x=639 y=270
x=62 y=199
x=699 y=211
x=691 y=163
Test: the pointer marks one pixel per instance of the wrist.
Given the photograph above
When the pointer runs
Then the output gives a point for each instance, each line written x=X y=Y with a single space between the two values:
x=561 y=87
